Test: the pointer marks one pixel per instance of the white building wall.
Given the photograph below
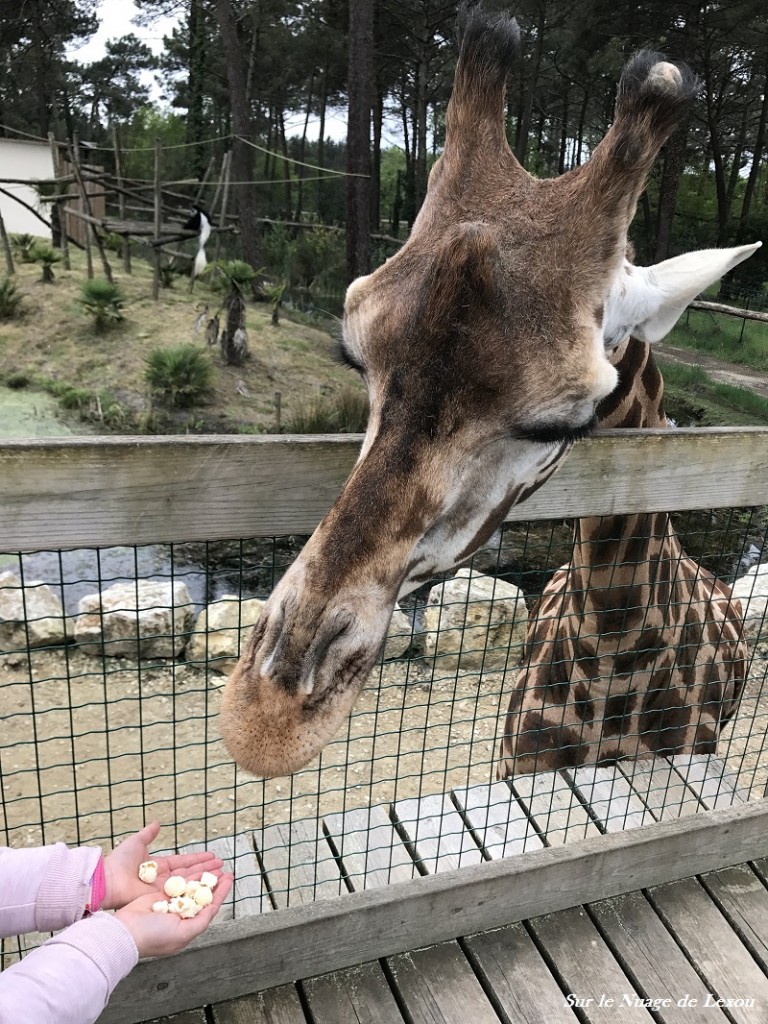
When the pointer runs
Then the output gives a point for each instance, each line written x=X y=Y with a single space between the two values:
x=30 y=160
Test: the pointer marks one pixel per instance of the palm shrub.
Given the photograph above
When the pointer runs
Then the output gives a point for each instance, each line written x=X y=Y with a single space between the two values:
x=233 y=339
x=181 y=376
x=23 y=246
x=10 y=299
x=102 y=301
x=46 y=256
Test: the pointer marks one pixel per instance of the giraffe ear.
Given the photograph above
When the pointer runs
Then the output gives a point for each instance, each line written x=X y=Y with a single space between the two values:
x=647 y=302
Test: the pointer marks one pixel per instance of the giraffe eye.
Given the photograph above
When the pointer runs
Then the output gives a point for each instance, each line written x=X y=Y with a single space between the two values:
x=342 y=355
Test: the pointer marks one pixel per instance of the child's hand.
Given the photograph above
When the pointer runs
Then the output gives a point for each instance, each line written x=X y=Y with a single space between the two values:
x=163 y=934
x=121 y=869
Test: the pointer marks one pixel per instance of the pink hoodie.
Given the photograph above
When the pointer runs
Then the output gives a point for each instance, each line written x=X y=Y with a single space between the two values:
x=68 y=979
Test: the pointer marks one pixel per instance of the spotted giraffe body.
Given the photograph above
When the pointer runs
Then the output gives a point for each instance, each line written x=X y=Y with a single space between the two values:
x=634 y=648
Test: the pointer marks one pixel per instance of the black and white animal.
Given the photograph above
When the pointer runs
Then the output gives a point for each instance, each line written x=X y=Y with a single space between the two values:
x=200 y=222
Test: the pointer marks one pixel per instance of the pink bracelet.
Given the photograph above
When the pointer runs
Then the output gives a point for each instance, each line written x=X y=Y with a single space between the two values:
x=98 y=888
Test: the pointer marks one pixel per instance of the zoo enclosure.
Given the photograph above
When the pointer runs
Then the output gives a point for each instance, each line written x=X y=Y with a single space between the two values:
x=157 y=751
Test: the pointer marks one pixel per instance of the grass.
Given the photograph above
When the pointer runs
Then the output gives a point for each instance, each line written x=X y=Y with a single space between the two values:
x=729 y=338
x=692 y=398
x=53 y=340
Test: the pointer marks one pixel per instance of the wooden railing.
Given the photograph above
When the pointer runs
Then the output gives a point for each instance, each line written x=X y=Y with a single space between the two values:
x=85 y=492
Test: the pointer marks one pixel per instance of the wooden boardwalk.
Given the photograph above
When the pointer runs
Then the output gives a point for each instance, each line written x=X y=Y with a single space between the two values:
x=307 y=860
x=686 y=951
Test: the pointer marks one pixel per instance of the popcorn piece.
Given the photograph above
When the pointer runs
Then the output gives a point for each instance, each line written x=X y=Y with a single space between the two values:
x=176 y=905
x=161 y=907
x=203 y=896
x=208 y=879
x=192 y=887
x=148 y=871
x=175 y=886
x=190 y=908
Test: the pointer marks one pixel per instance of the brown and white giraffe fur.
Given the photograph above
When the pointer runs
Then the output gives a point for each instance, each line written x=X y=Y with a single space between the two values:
x=481 y=345
x=633 y=648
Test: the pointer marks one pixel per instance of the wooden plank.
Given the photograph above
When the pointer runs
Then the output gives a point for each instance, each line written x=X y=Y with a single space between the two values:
x=188 y=1017
x=554 y=806
x=360 y=994
x=438 y=986
x=276 y=1006
x=501 y=826
x=371 y=852
x=594 y=981
x=706 y=775
x=299 y=863
x=434 y=829
x=650 y=954
x=741 y=896
x=660 y=787
x=609 y=797
x=237 y=957
x=249 y=894
x=713 y=948
x=508 y=962
x=70 y=492
x=760 y=867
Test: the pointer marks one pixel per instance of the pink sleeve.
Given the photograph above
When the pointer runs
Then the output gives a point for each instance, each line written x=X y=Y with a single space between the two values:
x=44 y=888
x=69 y=979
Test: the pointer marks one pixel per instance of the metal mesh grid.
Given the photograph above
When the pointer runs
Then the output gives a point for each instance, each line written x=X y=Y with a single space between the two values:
x=94 y=744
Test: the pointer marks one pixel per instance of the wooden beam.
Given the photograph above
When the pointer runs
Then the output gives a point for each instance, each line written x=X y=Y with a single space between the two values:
x=719 y=307
x=81 y=492
x=242 y=956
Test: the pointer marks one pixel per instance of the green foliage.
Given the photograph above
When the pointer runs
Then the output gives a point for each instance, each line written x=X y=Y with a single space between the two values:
x=180 y=376
x=10 y=299
x=22 y=246
x=237 y=273
x=727 y=337
x=345 y=413
x=47 y=257
x=103 y=302
x=18 y=380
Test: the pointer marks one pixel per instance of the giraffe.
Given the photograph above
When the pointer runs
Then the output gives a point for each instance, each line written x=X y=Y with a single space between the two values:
x=633 y=648
x=481 y=346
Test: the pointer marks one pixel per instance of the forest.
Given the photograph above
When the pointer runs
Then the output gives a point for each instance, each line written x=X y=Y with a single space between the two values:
x=253 y=75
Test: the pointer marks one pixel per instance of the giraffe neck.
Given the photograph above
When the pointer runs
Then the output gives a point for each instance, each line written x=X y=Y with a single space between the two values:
x=624 y=567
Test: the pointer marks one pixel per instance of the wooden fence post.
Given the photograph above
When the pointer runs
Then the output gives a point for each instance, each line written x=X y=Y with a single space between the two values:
x=121 y=198
x=158 y=220
x=60 y=209
x=10 y=269
x=92 y=233
x=226 y=167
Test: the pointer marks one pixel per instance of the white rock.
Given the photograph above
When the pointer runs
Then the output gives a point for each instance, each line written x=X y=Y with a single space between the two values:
x=222 y=630
x=30 y=616
x=752 y=591
x=475 y=621
x=140 y=619
x=399 y=636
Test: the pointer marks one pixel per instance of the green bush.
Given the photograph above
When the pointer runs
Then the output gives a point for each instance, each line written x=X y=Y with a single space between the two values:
x=46 y=256
x=10 y=299
x=103 y=302
x=180 y=376
x=22 y=246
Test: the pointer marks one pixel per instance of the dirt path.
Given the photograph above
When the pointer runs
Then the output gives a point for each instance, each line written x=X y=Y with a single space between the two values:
x=725 y=373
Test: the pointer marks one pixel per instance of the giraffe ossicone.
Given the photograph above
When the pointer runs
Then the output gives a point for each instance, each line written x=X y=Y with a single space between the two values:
x=481 y=345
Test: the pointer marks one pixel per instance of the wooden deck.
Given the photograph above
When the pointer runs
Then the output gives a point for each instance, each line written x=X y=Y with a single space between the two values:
x=687 y=943
x=694 y=950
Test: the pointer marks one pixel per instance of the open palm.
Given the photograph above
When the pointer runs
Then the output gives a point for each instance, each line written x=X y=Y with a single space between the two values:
x=121 y=868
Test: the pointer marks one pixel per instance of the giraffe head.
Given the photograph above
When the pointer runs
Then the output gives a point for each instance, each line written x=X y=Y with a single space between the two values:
x=481 y=344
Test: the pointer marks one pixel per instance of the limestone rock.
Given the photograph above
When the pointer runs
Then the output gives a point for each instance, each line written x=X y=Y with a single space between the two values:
x=399 y=636
x=221 y=631
x=140 y=619
x=752 y=590
x=30 y=615
x=475 y=621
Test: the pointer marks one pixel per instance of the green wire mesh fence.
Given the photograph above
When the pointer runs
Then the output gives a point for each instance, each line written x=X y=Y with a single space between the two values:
x=109 y=714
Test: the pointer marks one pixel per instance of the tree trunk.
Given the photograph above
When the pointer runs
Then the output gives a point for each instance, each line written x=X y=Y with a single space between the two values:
x=196 y=79
x=420 y=131
x=359 y=138
x=378 y=118
x=303 y=150
x=524 y=124
x=286 y=166
x=757 y=155
x=561 y=163
x=322 y=107
x=242 y=153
